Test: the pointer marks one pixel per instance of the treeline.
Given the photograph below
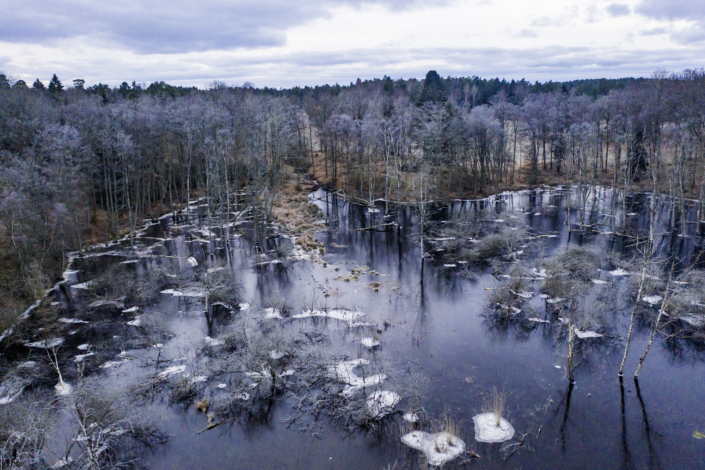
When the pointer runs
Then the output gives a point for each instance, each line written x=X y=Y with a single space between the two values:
x=95 y=161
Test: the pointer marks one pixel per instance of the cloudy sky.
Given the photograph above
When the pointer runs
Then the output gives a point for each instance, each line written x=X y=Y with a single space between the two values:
x=281 y=43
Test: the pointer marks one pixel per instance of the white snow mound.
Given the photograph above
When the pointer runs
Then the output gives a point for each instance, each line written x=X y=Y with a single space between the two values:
x=486 y=429
x=345 y=374
x=586 y=334
x=439 y=448
x=381 y=403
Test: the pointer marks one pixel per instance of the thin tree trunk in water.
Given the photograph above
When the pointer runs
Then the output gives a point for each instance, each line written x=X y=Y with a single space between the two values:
x=642 y=279
x=654 y=330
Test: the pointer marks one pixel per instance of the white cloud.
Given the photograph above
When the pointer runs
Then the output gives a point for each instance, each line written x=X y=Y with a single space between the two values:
x=278 y=43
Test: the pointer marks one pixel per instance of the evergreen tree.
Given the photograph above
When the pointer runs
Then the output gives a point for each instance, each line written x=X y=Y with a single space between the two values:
x=55 y=86
x=38 y=85
x=79 y=83
x=433 y=89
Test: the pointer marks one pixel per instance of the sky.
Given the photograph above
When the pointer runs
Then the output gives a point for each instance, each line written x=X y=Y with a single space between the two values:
x=284 y=43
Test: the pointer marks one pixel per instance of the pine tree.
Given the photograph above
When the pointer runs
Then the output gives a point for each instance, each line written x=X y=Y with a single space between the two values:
x=38 y=85
x=55 y=86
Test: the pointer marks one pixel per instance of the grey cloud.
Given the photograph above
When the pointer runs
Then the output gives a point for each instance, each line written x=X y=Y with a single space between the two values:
x=618 y=9
x=654 y=32
x=693 y=10
x=158 y=26
x=547 y=63
x=672 y=9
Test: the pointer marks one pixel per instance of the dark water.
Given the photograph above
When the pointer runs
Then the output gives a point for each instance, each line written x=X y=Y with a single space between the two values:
x=436 y=325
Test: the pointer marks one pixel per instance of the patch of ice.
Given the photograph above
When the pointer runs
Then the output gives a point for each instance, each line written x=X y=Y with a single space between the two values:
x=523 y=294
x=350 y=317
x=81 y=357
x=369 y=342
x=135 y=322
x=192 y=261
x=273 y=313
x=6 y=333
x=63 y=390
x=71 y=320
x=487 y=430
x=539 y=272
x=275 y=354
x=131 y=309
x=46 y=344
x=652 y=299
x=439 y=448
x=381 y=403
x=83 y=285
x=538 y=320
x=10 y=390
x=111 y=364
x=102 y=303
x=410 y=417
x=345 y=374
x=173 y=370
x=188 y=292
x=586 y=334
x=693 y=319
x=213 y=342
x=619 y=272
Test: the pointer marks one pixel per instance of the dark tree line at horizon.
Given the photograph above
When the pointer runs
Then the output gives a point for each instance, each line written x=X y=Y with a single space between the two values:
x=94 y=161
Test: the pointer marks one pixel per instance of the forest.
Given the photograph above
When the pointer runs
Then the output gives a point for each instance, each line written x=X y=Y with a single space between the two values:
x=131 y=214
x=85 y=163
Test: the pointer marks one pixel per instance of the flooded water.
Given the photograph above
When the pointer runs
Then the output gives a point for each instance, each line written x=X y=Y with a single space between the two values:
x=434 y=327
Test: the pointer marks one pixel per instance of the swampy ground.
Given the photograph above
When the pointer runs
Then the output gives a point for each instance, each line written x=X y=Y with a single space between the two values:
x=444 y=344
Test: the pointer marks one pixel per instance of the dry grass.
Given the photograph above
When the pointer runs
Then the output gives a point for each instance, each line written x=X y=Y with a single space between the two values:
x=495 y=403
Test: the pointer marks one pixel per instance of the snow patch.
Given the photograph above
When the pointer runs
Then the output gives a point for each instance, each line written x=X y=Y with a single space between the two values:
x=131 y=310
x=382 y=403
x=46 y=344
x=192 y=261
x=173 y=370
x=652 y=299
x=586 y=334
x=350 y=317
x=369 y=342
x=619 y=272
x=439 y=448
x=63 y=390
x=345 y=374
x=81 y=357
x=71 y=320
x=212 y=342
x=486 y=429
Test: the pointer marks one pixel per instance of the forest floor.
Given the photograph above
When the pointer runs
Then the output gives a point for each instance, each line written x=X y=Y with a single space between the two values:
x=461 y=185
